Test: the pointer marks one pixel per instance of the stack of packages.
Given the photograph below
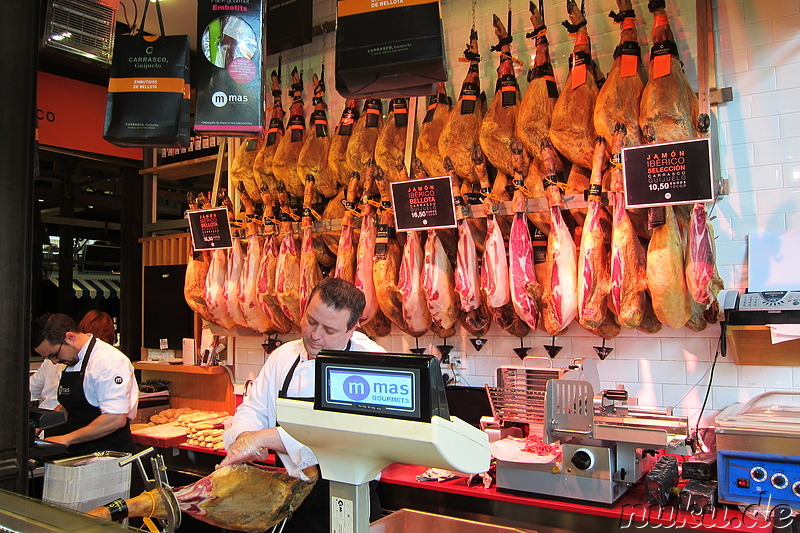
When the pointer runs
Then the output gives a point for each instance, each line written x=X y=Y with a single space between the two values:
x=204 y=428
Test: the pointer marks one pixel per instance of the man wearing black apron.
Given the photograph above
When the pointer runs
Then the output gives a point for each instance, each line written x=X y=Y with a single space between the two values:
x=329 y=323
x=97 y=388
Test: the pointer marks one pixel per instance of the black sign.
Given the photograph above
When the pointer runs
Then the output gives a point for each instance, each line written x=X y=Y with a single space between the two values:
x=668 y=173
x=210 y=229
x=423 y=204
x=288 y=24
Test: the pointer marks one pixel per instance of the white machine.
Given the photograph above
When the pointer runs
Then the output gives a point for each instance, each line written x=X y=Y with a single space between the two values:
x=601 y=439
x=370 y=411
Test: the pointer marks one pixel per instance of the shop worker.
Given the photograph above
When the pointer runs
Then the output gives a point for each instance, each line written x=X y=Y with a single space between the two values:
x=97 y=388
x=329 y=323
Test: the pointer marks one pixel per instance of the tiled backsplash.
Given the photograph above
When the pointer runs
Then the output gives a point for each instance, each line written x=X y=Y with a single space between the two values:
x=758 y=50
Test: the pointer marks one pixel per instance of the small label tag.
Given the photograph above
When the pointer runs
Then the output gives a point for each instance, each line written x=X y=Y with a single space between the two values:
x=275 y=127
x=297 y=127
x=508 y=88
x=349 y=117
x=373 y=111
x=163 y=344
x=320 y=121
x=400 y=108
x=630 y=52
x=661 y=56
x=578 y=64
x=469 y=95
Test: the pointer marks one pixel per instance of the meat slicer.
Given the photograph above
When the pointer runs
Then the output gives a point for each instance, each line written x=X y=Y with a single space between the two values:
x=601 y=438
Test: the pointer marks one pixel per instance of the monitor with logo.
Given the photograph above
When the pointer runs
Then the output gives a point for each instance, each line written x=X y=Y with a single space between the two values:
x=404 y=386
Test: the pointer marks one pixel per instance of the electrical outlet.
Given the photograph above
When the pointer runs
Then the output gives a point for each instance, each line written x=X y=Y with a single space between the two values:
x=458 y=361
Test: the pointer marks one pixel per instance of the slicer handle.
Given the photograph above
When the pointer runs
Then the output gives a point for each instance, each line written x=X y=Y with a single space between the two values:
x=615 y=395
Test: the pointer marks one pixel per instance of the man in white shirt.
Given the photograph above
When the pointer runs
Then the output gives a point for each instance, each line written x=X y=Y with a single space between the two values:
x=329 y=323
x=43 y=384
x=97 y=389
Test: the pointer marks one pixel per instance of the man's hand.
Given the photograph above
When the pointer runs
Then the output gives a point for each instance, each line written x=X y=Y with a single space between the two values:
x=60 y=439
x=248 y=447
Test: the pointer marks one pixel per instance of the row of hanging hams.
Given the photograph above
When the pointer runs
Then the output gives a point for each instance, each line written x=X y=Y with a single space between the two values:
x=602 y=265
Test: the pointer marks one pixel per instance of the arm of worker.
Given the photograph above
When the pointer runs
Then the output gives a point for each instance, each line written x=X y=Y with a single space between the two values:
x=103 y=425
x=255 y=446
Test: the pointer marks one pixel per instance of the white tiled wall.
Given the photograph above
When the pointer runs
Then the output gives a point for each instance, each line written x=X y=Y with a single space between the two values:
x=757 y=54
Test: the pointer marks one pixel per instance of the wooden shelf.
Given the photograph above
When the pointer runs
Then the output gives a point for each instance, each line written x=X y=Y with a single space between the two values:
x=181 y=369
x=186 y=169
x=752 y=345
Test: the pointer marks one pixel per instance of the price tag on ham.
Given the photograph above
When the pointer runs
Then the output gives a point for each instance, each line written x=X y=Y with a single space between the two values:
x=210 y=229
x=668 y=173
x=423 y=204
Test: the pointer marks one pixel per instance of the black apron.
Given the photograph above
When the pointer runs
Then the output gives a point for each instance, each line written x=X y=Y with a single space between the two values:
x=313 y=515
x=80 y=413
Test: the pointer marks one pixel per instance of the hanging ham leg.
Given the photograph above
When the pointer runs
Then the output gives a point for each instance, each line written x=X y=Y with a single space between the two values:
x=361 y=148
x=497 y=128
x=310 y=274
x=409 y=282
x=390 y=149
x=525 y=289
x=460 y=134
x=572 y=124
x=242 y=167
x=628 y=274
x=313 y=157
x=337 y=153
x=284 y=164
x=439 y=285
x=561 y=291
x=249 y=291
x=262 y=165
x=431 y=130
x=268 y=275
x=386 y=268
x=701 y=273
x=619 y=97
x=287 y=284
x=665 y=274
x=194 y=286
x=346 y=259
x=233 y=282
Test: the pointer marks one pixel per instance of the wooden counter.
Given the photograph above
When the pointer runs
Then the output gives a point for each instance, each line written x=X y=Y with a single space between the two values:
x=206 y=388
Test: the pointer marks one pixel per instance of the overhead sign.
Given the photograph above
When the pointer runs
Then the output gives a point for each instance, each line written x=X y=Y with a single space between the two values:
x=668 y=173
x=210 y=229
x=423 y=204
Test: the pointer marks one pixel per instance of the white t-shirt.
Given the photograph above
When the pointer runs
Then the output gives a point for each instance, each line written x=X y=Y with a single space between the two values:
x=43 y=384
x=258 y=411
x=109 y=382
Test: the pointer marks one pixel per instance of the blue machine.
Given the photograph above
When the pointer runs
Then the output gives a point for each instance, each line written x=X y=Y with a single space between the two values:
x=757 y=451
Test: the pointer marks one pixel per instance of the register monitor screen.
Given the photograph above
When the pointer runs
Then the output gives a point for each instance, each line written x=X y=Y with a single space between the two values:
x=379 y=384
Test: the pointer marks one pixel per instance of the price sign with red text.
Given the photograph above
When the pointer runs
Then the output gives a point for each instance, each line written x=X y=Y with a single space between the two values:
x=423 y=204
x=210 y=229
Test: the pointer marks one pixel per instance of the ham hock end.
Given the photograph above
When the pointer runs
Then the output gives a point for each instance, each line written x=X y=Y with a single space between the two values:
x=240 y=497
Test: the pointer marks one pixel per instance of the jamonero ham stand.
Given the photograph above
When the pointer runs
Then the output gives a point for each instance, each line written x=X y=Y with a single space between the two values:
x=374 y=409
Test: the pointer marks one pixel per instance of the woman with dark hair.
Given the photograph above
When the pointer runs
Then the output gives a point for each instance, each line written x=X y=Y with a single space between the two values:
x=99 y=324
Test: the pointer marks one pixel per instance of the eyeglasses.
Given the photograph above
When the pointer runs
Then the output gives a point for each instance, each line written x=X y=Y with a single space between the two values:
x=57 y=353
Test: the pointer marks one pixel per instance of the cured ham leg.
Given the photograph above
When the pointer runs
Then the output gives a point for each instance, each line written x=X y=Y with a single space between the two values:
x=346 y=259
x=593 y=258
x=702 y=279
x=628 y=273
x=242 y=166
x=525 y=289
x=313 y=157
x=310 y=274
x=287 y=283
x=460 y=134
x=665 y=274
x=225 y=498
x=390 y=149
x=572 y=124
x=233 y=283
x=386 y=268
x=497 y=128
x=284 y=164
x=267 y=278
x=361 y=148
x=561 y=290
x=619 y=97
x=249 y=292
x=409 y=282
x=337 y=153
x=431 y=131
x=215 y=283
x=262 y=165
x=194 y=285
x=439 y=286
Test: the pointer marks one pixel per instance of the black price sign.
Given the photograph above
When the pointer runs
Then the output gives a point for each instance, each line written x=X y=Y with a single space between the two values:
x=210 y=229
x=423 y=204
x=668 y=173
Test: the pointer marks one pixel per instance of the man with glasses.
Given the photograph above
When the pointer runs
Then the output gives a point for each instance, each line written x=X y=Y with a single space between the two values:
x=97 y=388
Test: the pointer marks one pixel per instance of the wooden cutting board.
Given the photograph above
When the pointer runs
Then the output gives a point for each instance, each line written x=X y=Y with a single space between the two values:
x=161 y=436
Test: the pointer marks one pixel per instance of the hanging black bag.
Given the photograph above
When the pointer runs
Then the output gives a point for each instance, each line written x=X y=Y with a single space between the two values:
x=148 y=89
